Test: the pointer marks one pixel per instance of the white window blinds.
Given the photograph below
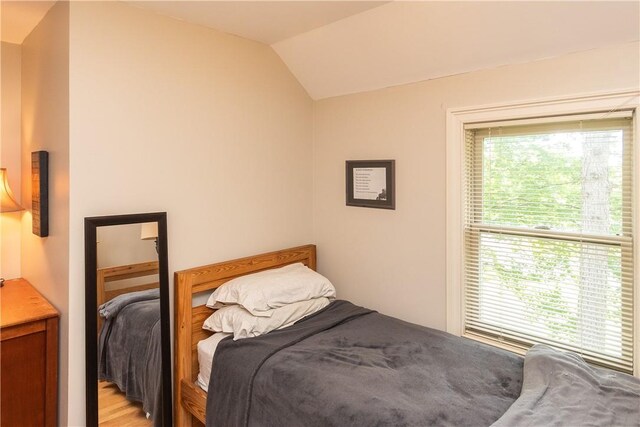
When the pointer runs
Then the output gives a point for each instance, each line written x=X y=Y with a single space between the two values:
x=548 y=235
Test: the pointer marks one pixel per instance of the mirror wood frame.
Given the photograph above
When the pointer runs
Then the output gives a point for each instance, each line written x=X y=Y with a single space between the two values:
x=91 y=323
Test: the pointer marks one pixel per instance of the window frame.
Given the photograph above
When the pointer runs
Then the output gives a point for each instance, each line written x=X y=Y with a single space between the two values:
x=456 y=119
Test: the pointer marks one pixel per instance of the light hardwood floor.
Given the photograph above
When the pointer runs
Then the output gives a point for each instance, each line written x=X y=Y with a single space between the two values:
x=115 y=410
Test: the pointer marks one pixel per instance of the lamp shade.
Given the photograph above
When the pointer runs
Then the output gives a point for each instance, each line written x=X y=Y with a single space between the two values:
x=7 y=202
x=149 y=231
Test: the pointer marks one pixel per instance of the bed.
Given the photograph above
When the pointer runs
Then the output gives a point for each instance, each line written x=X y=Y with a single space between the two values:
x=346 y=365
x=129 y=345
x=190 y=399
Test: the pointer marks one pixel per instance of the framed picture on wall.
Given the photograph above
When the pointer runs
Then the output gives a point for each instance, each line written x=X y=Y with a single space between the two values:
x=371 y=183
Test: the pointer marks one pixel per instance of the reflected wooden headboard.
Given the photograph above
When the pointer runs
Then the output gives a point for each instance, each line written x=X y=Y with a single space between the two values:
x=189 y=398
x=113 y=274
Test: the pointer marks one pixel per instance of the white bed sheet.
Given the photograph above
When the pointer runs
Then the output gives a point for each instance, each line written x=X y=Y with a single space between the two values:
x=206 y=350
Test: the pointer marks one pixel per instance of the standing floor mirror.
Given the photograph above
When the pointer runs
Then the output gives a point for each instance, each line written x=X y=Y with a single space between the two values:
x=128 y=346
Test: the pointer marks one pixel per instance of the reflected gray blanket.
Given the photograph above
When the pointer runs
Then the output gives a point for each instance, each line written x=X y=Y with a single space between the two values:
x=129 y=351
x=112 y=307
x=560 y=389
x=348 y=366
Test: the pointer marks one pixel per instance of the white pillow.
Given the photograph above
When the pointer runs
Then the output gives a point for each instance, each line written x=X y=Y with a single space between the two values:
x=235 y=319
x=206 y=350
x=261 y=292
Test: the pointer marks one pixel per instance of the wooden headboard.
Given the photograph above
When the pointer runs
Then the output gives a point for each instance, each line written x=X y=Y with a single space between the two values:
x=188 y=327
x=113 y=274
x=122 y=272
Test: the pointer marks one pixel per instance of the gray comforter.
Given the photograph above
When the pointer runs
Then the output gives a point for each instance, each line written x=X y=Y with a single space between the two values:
x=560 y=389
x=348 y=366
x=129 y=349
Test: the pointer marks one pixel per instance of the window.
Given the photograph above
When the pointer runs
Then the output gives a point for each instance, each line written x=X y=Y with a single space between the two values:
x=547 y=235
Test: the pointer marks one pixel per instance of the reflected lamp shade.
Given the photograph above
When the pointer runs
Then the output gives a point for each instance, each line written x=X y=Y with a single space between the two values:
x=149 y=231
x=7 y=201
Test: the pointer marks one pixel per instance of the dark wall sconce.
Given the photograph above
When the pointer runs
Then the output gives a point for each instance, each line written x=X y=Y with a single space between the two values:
x=40 y=193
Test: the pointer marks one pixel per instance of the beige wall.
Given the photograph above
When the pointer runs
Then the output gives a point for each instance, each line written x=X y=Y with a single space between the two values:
x=10 y=157
x=171 y=116
x=121 y=245
x=45 y=126
x=394 y=261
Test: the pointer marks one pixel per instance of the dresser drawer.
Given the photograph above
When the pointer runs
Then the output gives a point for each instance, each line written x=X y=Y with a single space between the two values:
x=29 y=359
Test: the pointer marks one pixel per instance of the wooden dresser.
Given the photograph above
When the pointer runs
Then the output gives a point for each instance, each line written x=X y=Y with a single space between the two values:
x=28 y=357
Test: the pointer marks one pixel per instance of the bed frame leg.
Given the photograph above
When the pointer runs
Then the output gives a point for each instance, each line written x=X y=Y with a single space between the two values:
x=183 y=417
x=183 y=297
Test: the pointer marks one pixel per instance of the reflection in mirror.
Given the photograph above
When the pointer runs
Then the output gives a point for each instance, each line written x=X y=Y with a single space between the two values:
x=129 y=335
x=127 y=271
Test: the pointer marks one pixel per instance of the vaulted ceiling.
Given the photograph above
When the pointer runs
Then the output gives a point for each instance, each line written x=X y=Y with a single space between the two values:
x=408 y=41
x=339 y=47
x=20 y=17
x=264 y=21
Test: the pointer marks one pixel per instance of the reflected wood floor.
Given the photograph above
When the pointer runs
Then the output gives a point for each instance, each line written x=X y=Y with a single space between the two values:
x=115 y=410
